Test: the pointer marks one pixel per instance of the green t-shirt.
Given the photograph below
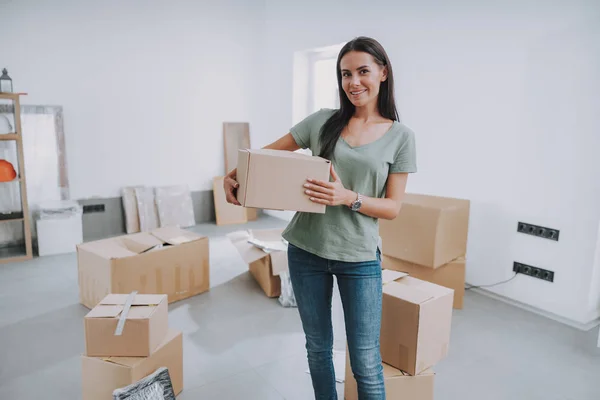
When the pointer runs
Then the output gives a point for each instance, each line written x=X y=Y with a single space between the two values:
x=342 y=234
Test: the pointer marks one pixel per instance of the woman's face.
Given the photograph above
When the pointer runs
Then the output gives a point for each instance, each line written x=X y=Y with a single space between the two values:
x=361 y=77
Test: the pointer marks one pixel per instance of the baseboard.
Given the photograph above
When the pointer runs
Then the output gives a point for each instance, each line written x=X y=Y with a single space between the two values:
x=574 y=324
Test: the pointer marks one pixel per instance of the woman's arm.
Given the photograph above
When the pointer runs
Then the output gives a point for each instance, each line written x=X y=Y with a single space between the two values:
x=286 y=142
x=388 y=207
x=334 y=194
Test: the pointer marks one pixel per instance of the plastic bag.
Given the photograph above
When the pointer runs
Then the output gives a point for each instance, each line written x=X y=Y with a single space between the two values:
x=287 y=298
x=156 y=386
x=60 y=209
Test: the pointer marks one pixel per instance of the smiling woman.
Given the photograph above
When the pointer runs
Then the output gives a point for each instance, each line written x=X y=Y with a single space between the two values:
x=371 y=155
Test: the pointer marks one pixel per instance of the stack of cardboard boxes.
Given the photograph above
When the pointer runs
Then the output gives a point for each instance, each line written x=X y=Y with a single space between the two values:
x=118 y=355
x=415 y=336
x=423 y=263
x=162 y=266
x=428 y=240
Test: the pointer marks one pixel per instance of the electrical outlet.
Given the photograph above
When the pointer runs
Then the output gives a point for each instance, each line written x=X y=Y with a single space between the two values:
x=93 y=208
x=535 y=272
x=539 y=231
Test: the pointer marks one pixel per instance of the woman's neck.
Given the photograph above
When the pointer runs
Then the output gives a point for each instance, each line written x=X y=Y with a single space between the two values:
x=367 y=113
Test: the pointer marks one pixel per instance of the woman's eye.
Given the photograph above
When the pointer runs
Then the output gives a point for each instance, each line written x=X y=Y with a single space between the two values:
x=364 y=71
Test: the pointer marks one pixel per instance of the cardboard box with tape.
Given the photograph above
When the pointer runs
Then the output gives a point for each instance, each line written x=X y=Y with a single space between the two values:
x=398 y=384
x=102 y=375
x=430 y=230
x=415 y=323
x=274 y=179
x=265 y=252
x=450 y=275
x=124 y=325
x=168 y=260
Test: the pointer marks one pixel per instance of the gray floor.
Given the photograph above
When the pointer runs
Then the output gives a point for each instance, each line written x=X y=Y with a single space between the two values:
x=238 y=344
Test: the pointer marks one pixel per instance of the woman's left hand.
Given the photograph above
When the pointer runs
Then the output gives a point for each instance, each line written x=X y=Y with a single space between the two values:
x=329 y=193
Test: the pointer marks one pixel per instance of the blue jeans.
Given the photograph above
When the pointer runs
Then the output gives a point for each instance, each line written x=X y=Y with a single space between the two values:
x=361 y=292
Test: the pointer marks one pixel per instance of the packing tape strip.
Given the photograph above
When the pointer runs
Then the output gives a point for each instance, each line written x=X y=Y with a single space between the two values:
x=124 y=313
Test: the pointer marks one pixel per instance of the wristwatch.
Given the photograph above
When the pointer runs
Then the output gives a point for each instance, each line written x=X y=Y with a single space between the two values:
x=355 y=205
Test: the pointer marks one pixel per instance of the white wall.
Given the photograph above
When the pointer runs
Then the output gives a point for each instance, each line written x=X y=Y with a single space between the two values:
x=503 y=97
x=504 y=100
x=594 y=297
x=145 y=85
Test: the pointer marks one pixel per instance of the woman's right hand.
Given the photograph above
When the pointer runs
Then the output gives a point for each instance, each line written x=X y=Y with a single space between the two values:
x=230 y=186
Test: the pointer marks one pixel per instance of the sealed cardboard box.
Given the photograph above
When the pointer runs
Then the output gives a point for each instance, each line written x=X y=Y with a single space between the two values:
x=274 y=179
x=429 y=230
x=415 y=322
x=168 y=260
x=398 y=384
x=265 y=252
x=100 y=376
x=451 y=275
x=146 y=325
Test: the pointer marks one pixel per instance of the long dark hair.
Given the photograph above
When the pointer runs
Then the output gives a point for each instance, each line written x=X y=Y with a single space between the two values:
x=333 y=127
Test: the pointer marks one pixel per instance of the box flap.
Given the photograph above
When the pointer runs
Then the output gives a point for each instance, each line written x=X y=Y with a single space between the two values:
x=433 y=289
x=279 y=262
x=138 y=300
x=141 y=312
x=268 y=246
x=248 y=251
x=108 y=311
x=267 y=235
x=409 y=293
x=175 y=236
x=391 y=372
x=129 y=362
x=388 y=275
x=140 y=243
x=285 y=154
x=107 y=249
x=112 y=305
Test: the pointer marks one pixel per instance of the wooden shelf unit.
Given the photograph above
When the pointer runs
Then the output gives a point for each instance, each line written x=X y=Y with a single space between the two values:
x=9 y=254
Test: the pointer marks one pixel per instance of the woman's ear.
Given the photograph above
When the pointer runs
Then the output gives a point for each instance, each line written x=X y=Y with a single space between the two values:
x=384 y=74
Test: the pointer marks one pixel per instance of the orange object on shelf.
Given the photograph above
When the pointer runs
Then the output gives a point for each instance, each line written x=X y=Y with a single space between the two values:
x=7 y=171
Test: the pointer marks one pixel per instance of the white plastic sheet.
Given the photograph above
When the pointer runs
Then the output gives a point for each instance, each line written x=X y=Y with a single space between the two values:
x=146 y=209
x=59 y=209
x=174 y=205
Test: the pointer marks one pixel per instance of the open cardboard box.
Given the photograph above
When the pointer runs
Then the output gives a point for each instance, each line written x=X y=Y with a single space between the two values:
x=265 y=266
x=167 y=260
x=274 y=179
x=415 y=323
